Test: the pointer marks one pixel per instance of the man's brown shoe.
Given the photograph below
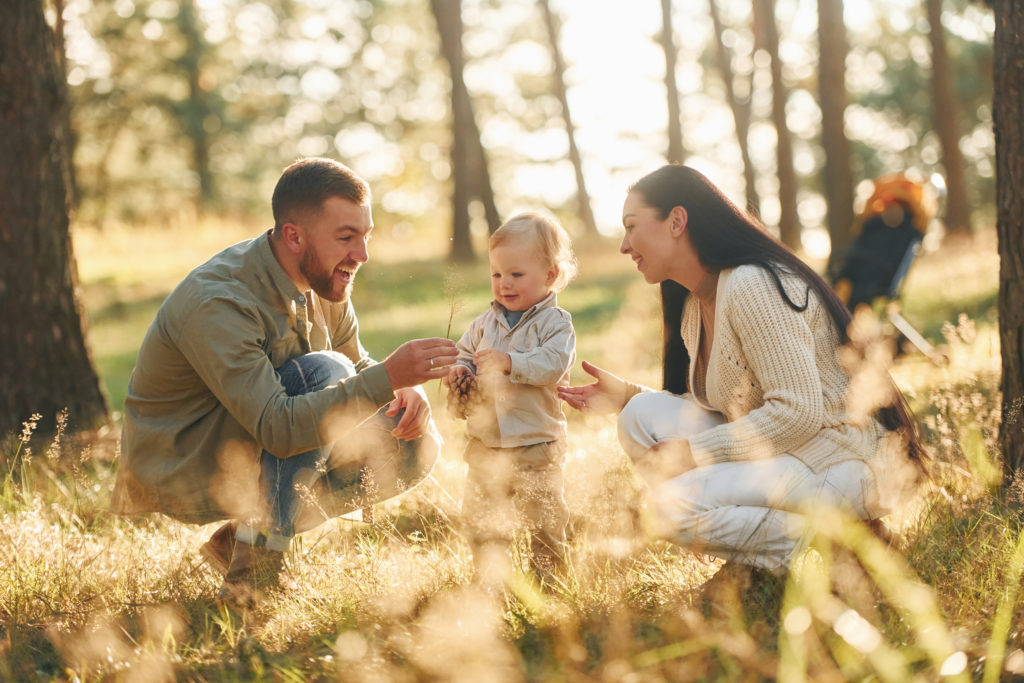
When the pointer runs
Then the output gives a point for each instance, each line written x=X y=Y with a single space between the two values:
x=253 y=569
x=218 y=550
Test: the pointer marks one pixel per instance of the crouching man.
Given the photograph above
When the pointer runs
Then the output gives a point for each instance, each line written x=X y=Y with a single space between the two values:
x=253 y=400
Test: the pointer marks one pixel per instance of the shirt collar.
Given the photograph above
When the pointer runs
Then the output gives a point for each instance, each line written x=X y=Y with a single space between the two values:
x=280 y=280
x=547 y=302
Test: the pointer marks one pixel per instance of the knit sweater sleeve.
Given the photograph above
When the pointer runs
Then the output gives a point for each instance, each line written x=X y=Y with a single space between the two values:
x=776 y=348
x=633 y=388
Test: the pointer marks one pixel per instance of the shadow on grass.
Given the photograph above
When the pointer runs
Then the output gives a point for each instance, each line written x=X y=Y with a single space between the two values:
x=26 y=653
x=937 y=313
x=118 y=309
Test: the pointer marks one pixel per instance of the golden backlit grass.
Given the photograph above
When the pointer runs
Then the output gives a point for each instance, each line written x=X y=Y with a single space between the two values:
x=85 y=595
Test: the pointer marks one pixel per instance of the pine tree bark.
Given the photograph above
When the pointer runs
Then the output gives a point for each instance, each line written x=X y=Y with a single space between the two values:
x=676 y=150
x=832 y=50
x=46 y=364
x=1008 y=115
x=740 y=110
x=789 y=222
x=586 y=214
x=945 y=106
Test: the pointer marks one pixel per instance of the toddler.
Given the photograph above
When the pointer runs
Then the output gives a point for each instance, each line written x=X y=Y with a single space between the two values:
x=511 y=359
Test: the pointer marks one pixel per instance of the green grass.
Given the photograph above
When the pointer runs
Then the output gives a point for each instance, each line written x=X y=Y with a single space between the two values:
x=85 y=595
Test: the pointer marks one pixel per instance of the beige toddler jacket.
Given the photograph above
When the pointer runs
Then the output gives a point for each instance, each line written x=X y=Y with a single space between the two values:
x=521 y=408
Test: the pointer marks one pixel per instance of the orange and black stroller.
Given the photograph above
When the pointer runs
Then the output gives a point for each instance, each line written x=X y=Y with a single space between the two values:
x=887 y=237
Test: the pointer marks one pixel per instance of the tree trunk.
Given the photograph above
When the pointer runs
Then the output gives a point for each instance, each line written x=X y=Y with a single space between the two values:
x=832 y=93
x=46 y=365
x=197 y=107
x=789 y=222
x=585 y=212
x=676 y=151
x=60 y=45
x=945 y=106
x=1008 y=114
x=740 y=110
x=483 y=189
x=449 y=24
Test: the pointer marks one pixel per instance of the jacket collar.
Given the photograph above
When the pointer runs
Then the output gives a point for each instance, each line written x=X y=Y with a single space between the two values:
x=279 y=279
x=549 y=301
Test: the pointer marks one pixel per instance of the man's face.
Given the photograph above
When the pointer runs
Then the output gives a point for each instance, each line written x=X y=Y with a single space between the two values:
x=335 y=247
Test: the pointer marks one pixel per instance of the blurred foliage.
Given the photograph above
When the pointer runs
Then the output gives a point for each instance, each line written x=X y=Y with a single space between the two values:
x=194 y=107
x=896 y=97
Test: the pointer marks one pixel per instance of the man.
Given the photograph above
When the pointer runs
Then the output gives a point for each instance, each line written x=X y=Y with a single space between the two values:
x=253 y=399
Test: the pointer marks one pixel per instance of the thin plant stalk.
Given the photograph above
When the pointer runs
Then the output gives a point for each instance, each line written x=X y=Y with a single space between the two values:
x=1004 y=615
x=453 y=290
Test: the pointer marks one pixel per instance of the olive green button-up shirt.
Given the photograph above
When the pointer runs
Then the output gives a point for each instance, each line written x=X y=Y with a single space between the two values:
x=204 y=399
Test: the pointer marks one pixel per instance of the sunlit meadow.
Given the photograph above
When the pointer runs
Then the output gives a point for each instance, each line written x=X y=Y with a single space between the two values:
x=85 y=595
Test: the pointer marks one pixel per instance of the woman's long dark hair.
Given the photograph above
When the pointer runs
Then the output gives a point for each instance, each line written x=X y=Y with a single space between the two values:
x=724 y=236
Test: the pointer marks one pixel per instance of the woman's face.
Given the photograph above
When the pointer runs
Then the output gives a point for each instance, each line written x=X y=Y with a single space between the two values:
x=648 y=240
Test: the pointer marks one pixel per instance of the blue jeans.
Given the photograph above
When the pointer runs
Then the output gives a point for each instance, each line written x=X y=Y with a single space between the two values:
x=367 y=466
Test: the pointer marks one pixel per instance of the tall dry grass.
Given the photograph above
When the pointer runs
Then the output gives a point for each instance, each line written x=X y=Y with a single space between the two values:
x=85 y=595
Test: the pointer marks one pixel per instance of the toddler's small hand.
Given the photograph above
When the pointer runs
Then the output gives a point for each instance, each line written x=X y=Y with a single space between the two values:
x=461 y=394
x=455 y=374
x=492 y=360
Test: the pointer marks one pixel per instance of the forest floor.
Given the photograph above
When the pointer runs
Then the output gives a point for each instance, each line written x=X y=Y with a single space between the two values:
x=86 y=595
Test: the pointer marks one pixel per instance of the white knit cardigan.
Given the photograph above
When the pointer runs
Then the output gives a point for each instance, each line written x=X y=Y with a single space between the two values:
x=776 y=376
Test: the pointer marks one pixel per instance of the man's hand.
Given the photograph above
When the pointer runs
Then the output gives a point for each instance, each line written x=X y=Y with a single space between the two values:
x=413 y=424
x=492 y=360
x=420 y=360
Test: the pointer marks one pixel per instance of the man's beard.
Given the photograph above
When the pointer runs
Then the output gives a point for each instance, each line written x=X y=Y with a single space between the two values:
x=321 y=278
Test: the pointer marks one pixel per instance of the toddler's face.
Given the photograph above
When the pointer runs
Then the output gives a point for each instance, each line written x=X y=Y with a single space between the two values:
x=518 y=277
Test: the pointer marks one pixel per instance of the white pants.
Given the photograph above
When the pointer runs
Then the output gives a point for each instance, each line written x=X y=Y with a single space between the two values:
x=749 y=511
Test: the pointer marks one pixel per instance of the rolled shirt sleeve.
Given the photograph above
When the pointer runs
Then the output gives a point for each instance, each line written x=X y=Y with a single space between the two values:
x=224 y=344
x=547 y=363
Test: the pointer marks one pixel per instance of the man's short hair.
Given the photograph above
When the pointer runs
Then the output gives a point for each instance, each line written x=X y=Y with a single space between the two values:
x=308 y=183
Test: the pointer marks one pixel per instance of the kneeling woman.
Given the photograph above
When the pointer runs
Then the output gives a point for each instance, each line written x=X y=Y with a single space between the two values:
x=754 y=426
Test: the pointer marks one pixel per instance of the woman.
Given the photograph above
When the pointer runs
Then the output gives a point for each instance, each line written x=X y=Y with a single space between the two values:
x=753 y=425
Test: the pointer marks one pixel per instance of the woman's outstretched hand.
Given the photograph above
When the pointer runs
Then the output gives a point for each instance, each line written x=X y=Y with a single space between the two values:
x=606 y=395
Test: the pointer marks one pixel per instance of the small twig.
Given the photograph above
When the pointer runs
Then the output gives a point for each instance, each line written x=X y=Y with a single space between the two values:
x=452 y=289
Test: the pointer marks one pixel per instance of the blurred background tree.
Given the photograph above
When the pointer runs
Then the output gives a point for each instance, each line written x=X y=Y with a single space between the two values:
x=738 y=104
x=676 y=149
x=552 y=24
x=838 y=174
x=946 y=119
x=767 y=37
x=468 y=178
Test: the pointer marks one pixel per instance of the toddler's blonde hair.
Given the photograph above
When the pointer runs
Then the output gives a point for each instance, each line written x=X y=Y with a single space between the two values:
x=550 y=239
